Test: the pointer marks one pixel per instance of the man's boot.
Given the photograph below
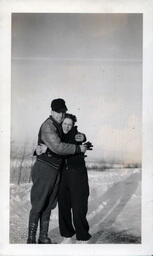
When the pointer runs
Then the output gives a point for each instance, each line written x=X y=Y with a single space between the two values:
x=43 y=236
x=32 y=229
x=32 y=233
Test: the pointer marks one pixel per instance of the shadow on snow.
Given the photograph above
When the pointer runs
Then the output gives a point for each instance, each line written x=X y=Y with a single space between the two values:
x=115 y=198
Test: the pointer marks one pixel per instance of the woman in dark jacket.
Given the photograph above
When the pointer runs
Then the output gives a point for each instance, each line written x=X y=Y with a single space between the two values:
x=74 y=189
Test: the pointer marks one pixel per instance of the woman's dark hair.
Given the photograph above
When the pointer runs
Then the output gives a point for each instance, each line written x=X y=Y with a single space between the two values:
x=72 y=117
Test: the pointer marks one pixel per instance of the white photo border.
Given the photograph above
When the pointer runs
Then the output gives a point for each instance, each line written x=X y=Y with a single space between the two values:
x=85 y=6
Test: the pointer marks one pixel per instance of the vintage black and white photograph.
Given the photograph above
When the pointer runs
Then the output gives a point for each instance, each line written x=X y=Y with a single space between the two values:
x=76 y=128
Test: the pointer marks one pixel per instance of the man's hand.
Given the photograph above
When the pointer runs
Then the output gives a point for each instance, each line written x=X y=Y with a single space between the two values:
x=83 y=148
x=79 y=137
x=40 y=149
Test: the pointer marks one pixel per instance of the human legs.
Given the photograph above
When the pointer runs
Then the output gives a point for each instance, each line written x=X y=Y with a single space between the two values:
x=45 y=216
x=64 y=207
x=79 y=191
x=44 y=179
x=81 y=225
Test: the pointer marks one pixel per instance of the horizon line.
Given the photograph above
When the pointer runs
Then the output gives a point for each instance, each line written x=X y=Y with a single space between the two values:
x=77 y=59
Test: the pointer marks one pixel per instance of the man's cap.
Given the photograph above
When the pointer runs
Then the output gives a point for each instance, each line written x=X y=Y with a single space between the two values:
x=58 y=105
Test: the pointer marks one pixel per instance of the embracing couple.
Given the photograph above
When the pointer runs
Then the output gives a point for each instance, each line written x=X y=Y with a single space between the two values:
x=59 y=173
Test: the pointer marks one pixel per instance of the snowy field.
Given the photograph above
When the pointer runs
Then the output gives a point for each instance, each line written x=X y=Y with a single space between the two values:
x=114 y=213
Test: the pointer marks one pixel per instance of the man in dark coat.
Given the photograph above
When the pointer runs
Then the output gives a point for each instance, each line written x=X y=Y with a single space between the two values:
x=45 y=172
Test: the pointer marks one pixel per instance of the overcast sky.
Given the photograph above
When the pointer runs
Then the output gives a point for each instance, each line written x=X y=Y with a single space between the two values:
x=94 y=62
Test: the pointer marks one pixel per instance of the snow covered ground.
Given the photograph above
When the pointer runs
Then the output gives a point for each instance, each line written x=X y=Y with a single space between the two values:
x=114 y=208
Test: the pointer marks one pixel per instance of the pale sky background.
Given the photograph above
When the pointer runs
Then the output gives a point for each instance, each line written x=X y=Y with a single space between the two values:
x=94 y=62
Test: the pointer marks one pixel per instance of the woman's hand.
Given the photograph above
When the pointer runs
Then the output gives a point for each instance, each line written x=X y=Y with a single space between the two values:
x=40 y=149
